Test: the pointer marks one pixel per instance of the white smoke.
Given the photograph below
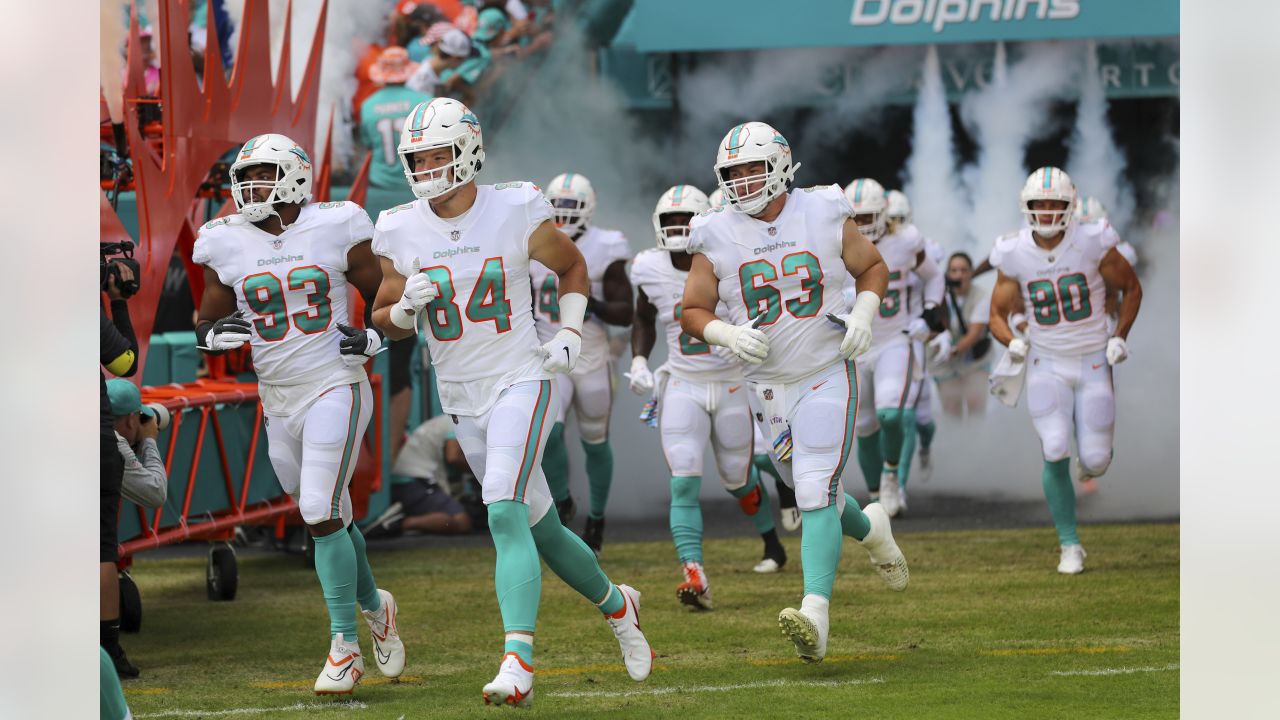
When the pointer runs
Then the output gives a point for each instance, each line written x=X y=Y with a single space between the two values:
x=1095 y=164
x=931 y=180
x=1003 y=117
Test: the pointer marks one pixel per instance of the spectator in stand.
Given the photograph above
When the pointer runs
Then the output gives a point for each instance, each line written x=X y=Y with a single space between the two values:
x=145 y=482
x=420 y=23
x=451 y=51
x=382 y=117
x=961 y=375
x=419 y=499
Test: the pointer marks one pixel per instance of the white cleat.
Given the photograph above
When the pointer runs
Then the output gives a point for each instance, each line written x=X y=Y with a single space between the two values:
x=388 y=649
x=1071 y=562
x=636 y=653
x=925 y=456
x=884 y=552
x=807 y=629
x=513 y=684
x=889 y=492
x=791 y=519
x=766 y=566
x=342 y=669
x=902 y=499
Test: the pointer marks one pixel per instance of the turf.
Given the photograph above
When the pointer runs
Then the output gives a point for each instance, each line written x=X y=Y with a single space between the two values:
x=982 y=631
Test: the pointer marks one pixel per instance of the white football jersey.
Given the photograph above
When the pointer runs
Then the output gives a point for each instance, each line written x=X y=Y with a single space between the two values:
x=915 y=304
x=790 y=271
x=687 y=356
x=1062 y=288
x=900 y=252
x=600 y=248
x=480 y=328
x=292 y=286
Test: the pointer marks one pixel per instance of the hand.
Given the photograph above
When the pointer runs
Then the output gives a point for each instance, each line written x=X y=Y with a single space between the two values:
x=1117 y=351
x=229 y=333
x=918 y=329
x=1018 y=349
x=747 y=343
x=640 y=376
x=941 y=347
x=147 y=428
x=126 y=274
x=419 y=291
x=357 y=345
x=560 y=353
x=857 y=335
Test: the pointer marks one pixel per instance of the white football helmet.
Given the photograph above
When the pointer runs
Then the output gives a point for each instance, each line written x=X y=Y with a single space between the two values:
x=292 y=183
x=677 y=199
x=868 y=198
x=716 y=198
x=573 y=201
x=899 y=206
x=754 y=142
x=1048 y=183
x=441 y=123
x=1090 y=210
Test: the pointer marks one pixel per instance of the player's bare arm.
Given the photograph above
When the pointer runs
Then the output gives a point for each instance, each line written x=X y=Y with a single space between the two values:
x=390 y=290
x=643 y=331
x=1120 y=278
x=863 y=261
x=1005 y=300
x=554 y=249
x=364 y=271
x=616 y=309
x=701 y=294
x=217 y=303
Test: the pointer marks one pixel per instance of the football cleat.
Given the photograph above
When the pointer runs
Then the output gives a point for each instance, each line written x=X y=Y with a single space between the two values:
x=1071 y=562
x=902 y=499
x=343 y=668
x=790 y=519
x=775 y=557
x=513 y=684
x=567 y=510
x=593 y=534
x=926 y=464
x=388 y=649
x=636 y=653
x=807 y=629
x=889 y=491
x=695 y=591
x=884 y=552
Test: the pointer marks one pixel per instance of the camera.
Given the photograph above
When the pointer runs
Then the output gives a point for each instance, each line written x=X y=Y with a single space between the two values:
x=162 y=415
x=110 y=267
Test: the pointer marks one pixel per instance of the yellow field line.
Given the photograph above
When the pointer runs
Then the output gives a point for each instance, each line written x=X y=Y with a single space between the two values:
x=145 y=691
x=1096 y=650
x=830 y=659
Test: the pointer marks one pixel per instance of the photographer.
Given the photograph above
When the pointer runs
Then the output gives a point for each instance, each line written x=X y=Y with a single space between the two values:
x=419 y=500
x=118 y=353
x=961 y=372
x=144 y=482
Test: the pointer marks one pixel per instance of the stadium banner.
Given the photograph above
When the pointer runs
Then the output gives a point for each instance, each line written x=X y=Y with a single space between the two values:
x=1127 y=69
x=710 y=25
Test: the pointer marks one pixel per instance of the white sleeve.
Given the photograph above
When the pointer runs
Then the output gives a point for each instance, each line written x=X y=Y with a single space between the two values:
x=980 y=309
x=537 y=209
x=934 y=279
x=381 y=247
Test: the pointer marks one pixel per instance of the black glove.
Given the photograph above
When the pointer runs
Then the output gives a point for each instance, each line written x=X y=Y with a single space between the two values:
x=229 y=333
x=358 y=345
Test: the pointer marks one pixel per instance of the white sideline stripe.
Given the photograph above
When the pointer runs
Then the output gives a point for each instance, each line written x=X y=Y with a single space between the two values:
x=1114 y=671
x=712 y=688
x=351 y=705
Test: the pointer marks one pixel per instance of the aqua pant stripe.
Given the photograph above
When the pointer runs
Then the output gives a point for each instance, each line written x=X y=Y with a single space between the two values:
x=533 y=440
x=850 y=420
x=348 y=451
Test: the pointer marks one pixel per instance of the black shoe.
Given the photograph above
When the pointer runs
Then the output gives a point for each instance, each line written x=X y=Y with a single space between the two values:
x=775 y=552
x=387 y=525
x=786 y=496
x=125 y=669
x=566 y=510
x=593 y=534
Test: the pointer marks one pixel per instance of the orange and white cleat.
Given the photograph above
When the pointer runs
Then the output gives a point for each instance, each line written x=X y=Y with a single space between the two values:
x=513 y=684
x=342 y=669
x=695 y=591
x=388 y=649
x=636 y=653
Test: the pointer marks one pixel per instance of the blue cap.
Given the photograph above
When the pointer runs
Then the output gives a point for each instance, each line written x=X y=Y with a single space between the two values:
x=125 y=398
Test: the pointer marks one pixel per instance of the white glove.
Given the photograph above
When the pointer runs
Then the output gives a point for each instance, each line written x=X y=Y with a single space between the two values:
x=358 y=345
x=1117 y=351
x=857 y=334
x=228 y=333
x=419 y=291
x=748 y=343
x=560 y=353
x=641 y=378
x=918 y=329
x=941 y=347
x=1018 y=349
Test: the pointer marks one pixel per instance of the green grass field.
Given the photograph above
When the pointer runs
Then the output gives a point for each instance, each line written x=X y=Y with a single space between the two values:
x=987 y=629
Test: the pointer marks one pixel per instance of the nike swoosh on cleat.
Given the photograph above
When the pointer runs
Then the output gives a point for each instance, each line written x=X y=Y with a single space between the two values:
x=383 y=658
x=342 y=674
x=566 y=356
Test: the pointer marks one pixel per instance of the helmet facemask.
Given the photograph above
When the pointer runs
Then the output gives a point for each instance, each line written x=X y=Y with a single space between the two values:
x=872 y=225
x=279 y=190
x=433 y=182
x=570 y=215
x=673 y=231
x=736 y=191
x=1048 y=223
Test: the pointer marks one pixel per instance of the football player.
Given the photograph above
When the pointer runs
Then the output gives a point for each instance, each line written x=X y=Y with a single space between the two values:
x=1063 y=270
x=777 y=260
x=892 y=368
x=589 y=388
x=701 y=398
x=276 y=276
x=457 y=261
